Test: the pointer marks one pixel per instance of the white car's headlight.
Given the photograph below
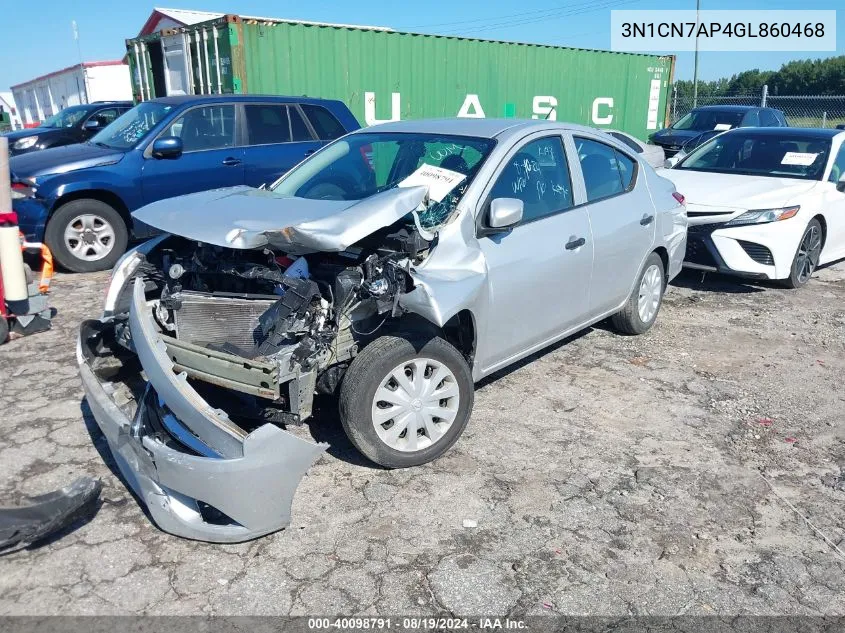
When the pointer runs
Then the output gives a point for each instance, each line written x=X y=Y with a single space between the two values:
x=25 y=143
x=763 y=216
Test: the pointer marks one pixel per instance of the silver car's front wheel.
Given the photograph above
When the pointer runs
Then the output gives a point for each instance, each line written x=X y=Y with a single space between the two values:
x=406 y=399
x=415 y=404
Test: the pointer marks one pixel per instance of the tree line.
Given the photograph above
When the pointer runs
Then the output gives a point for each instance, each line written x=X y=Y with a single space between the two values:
x=799 y=77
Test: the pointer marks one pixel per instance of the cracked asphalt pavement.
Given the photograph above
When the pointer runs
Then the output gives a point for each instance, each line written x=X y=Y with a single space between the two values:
x=663 y=474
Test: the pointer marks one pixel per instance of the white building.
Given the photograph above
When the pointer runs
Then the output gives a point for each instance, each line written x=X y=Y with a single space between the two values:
x=40 y=98
x=7 y=104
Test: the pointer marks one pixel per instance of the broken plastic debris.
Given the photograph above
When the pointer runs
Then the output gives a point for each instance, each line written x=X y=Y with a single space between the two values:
x=548 y=605
x=791 y=440
x=765 y=421
x=470 y=523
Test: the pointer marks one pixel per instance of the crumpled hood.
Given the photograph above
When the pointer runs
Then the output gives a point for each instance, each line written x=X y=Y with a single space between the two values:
x=60 y=160
x=728 y=191
x=246 y=218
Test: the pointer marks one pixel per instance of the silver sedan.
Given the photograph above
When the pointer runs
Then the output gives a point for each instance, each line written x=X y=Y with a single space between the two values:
x=395 y=267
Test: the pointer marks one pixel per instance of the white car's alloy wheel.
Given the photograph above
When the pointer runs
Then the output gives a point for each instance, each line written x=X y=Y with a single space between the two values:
x=415 y=404
x=807 y=257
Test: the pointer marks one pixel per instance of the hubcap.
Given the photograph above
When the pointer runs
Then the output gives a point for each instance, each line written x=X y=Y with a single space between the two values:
x=415 y=404
x=89 y=237
x=651 y=287
x=807 y=257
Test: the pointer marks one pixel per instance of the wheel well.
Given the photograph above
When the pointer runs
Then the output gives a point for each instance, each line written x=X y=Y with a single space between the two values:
x=460 y=332
x=820 y=218
x=664 y=257
x=111 y=199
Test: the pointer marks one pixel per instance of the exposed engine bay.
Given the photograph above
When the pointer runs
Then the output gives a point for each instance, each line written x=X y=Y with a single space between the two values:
x=269 y=327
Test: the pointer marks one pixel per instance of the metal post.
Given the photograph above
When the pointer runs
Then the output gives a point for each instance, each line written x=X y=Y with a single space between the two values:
x=765 y=96
x=695 y=69
x=674 y=103
x=824 y=119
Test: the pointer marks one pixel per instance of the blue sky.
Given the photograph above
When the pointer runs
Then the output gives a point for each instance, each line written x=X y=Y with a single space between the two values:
x=31 y=47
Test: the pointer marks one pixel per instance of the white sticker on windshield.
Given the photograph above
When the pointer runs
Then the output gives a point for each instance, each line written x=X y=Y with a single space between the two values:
x=798 y=158
x=723 y=126
x=438 y=180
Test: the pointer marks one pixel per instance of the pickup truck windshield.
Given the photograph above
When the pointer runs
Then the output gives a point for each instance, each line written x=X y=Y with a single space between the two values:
x=129 y=129
x=361 y=165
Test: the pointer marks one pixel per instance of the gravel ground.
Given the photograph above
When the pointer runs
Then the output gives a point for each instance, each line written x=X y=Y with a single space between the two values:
x=611 y=475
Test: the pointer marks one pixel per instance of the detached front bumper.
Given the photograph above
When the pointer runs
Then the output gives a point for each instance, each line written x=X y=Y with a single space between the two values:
x=199 y=474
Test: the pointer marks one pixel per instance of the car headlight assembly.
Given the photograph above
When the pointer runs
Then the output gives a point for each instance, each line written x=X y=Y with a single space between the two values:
x=763 y=216
x=25 y=143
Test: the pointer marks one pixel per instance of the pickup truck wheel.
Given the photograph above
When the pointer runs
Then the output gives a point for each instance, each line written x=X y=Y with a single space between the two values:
x=86 y=235
x=404 y=402
x=641 y=309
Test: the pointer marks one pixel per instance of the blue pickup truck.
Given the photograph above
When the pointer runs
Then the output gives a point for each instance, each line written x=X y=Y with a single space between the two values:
x=79 y=198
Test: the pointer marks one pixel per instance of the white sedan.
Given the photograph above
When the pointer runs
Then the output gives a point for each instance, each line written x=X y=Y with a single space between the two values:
x=765 y=203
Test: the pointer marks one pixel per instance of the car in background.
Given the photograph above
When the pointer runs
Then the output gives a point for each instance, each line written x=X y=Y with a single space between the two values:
x=765 y=203
x=395 y=268
x=74 y=124
x=688 y=147
x=653 y=154
x=714 y=117
x=79 y=198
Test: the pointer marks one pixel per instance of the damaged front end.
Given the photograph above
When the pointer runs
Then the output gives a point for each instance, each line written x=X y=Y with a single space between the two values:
x=207 y=353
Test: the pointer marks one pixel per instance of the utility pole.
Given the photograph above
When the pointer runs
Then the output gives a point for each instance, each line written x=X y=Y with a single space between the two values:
x=695 y=68
x=79 y=54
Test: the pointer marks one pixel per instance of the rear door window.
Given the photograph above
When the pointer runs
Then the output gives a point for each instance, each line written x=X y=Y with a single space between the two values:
x=607 y=172
x=272 y=123
x=324 y=122
x=751 y=119
x=768 y=119
x=627 y=141
x=104 y=117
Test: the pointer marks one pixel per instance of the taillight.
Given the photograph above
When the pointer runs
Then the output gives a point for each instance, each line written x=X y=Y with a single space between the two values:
x=679 y=197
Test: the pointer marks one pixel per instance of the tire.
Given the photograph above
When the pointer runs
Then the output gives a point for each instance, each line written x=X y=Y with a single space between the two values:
x=372 y=372
x=806 y=258
x=86 y=219
x=634 y=318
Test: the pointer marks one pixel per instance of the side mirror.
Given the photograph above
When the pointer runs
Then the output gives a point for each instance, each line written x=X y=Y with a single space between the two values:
x=505 y=213
x=167 y=147
x=840 y=186
x=671 y=162
x=91 y=125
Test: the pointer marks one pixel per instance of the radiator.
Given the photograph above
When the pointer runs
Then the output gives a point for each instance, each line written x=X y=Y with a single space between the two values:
x=215 y=319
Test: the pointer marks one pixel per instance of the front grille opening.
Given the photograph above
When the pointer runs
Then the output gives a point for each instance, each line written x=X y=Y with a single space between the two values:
x=758 y=253
x=697 y=253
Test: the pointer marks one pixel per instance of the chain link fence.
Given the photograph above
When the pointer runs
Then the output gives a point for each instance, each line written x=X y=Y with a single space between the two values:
x=800 y=111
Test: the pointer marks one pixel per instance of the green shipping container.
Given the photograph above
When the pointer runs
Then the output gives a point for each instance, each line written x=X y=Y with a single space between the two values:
x=385 y=75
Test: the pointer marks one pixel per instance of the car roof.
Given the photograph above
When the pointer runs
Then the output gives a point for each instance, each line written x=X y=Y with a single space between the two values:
x=194 y=99
x=733 y=108
x=788 y=132
x=482 y=128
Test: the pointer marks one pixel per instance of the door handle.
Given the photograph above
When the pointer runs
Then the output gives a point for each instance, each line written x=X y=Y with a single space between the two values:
x=646 y=220
x=231 y=162
x=575 y=242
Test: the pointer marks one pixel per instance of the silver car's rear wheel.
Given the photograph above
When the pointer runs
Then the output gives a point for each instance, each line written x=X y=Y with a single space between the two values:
x=651 y=291
x=415 y=404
